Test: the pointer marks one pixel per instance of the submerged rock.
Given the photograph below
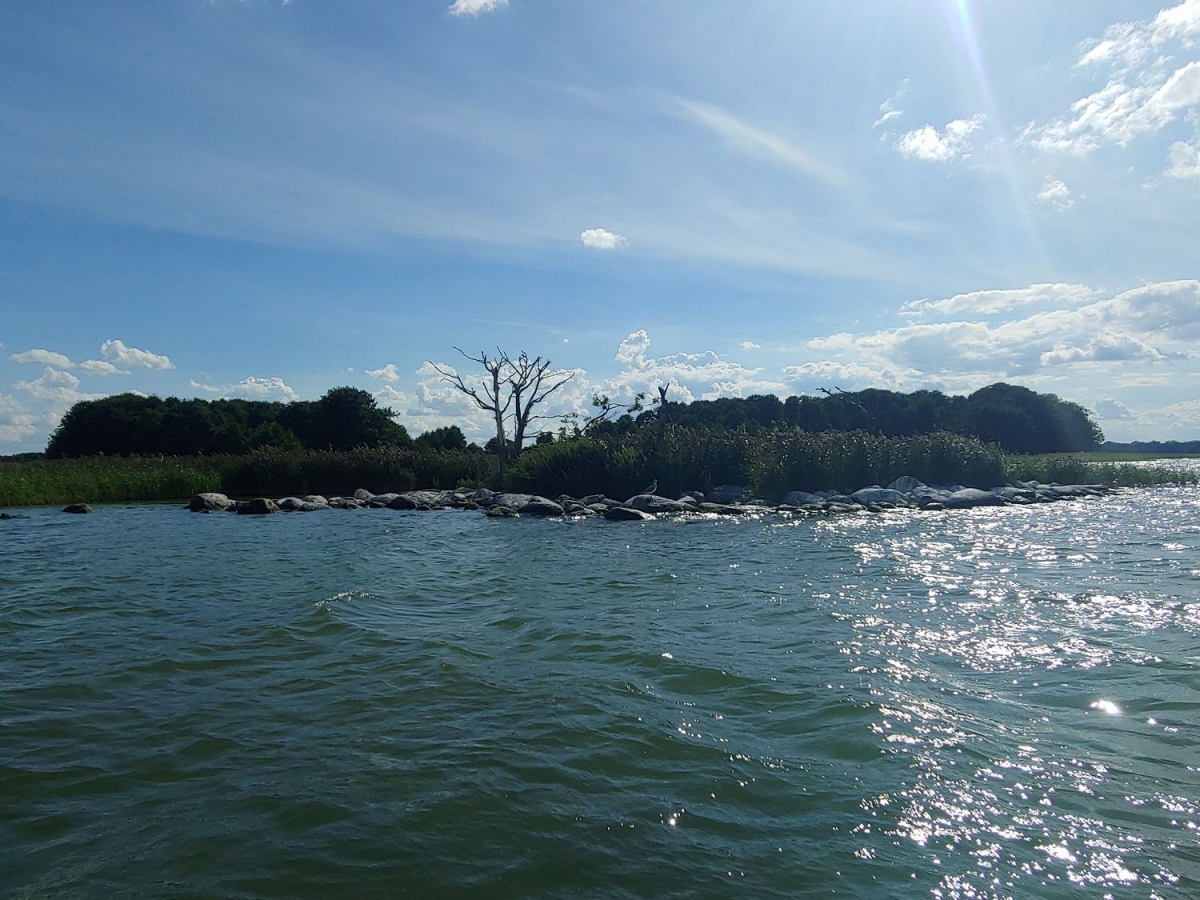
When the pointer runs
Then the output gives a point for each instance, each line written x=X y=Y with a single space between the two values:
x=627 y=514
x=80 y=508
x=652 y=503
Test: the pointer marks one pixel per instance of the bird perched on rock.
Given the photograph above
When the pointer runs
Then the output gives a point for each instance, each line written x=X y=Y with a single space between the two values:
x=652 y=488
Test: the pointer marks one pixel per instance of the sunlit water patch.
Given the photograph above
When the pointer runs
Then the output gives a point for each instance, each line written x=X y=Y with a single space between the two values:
x=985 y=703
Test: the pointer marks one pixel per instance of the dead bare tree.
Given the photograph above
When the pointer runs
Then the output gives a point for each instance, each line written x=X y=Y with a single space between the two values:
x=531 y=381
x=496 y=399
x=511 y=390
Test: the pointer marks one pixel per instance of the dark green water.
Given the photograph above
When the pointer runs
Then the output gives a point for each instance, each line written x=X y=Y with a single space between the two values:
x=992 y=703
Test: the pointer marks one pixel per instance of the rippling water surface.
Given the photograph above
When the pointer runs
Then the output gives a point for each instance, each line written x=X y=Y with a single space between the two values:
x=985 y=703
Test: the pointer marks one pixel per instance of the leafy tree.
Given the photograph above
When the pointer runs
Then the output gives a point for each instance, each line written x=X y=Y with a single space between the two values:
x=448 y=438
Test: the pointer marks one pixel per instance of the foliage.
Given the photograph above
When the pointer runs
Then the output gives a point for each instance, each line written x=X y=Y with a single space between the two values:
x=447 y=438
x=771 y=461
x=130 y=424
x=1078 y=468
x=108 y=479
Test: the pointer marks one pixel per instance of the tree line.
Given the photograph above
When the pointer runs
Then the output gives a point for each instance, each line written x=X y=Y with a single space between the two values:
x=1016 y=419
x=133 y=424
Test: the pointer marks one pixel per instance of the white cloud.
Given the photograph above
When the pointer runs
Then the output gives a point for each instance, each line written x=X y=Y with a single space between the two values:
x=1147 y=86
x=760 y=141
x=115 y=351
x=1185 y=160
x=888 y=109
x=101 y=367
x=602 y=239
x=930 y=145
x=58 y=388
x=43 y=357
x=475 y=7
x=1001 y=301
x=750 y=345
x=1151 y=326
x=1110 y=409
x=16 y=423
x=252 y=388
x=387 y=373
x=1056 y=193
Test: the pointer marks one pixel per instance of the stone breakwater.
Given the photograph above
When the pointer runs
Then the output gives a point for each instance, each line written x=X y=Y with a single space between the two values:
x=903 y=493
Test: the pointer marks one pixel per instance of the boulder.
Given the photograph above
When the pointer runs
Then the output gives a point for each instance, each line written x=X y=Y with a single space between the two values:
x=652 y=503
x=316 y=500
x=513 y=501
x=877 y=496
x=906 y=484
x=362 y=494
x=259 y=506
x=727 y=493
x=801 y=498
x=540 y=506
x=7 y=515
x=627 y=514
x=209 y=501
x=79 y=508
x=496 y=511
x=695 y=496
x=289 y=504
x=967 y=498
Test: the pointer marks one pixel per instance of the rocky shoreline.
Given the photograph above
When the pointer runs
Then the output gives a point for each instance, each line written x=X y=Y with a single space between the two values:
x=903 y=493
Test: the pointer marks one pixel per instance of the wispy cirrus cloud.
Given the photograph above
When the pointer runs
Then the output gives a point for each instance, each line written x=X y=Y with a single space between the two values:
x=760 y=141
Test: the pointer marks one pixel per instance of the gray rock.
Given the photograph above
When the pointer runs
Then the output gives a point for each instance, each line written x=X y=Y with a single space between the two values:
x=316 y=500
x=727 y=493
x=363 y=495
x=697 y=496
x=652 y=503
x=208 y=501
x=289 y=504
x=627 y=514
x=259 y=506
x=877 y=496
x=513 y=501
x=540 y=506
x=801 y=498
x=496 y=511
x=906 y=484
x=722 y=509
x=419 y=500
x=967 y=498
x=79 y=508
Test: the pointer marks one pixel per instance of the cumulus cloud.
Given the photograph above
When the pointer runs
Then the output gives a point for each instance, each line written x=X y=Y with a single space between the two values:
x=750 y=345
x=930 y=145
x=475 y=7
x=116 y=352
x=101 y=367
x=16 y=422
x=387 y=373
x=1001 y=301
x=1147 y=86
x=1151 y=325
x=1185 y=160
x=59 y=389
x=1108 y=408
x=251 y=388
x=43 y=357
x=603 y=239
x=1056 y=194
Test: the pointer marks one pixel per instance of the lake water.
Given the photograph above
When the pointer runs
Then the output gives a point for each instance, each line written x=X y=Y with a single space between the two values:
x=984 y=703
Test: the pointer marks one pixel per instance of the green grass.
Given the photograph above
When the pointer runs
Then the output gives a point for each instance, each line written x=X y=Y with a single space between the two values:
x=269 y=473
x=102 y=479
x=1113 y=469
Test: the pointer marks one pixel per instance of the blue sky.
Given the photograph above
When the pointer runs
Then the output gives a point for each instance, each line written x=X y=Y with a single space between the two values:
x=269 y=199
